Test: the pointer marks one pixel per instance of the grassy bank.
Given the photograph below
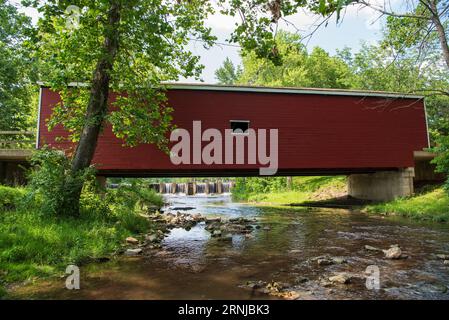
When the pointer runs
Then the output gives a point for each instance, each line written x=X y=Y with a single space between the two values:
x=301 y=189
x=34 y=244
x=431 y=203
x=428 y=204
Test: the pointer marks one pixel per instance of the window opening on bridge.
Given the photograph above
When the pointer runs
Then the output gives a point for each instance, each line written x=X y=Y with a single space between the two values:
x=239 y=126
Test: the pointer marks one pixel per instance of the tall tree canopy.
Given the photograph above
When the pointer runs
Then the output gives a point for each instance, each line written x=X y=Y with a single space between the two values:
x=228 y=73
x=298 y=68
x=415 y=23
x=16 y=68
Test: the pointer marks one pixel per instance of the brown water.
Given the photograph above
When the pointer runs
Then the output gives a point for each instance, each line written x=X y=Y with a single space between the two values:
x=192 y=265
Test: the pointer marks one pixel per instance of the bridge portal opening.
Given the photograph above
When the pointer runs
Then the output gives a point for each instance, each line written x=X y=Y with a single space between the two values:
x=239 y=126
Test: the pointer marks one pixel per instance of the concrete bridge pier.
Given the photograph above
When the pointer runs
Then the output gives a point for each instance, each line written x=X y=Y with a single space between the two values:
x=219 y=188
x=382 y=185
x=191 y=188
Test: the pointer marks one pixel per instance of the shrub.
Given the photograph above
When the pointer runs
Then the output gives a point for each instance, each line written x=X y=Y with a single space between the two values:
x=442 y=158
x=50 y=181
x=10 y=197
x=244 y=187
x=136 y=196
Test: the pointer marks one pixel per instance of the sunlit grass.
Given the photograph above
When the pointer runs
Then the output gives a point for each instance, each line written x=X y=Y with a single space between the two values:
x=279 y=198
x=432 y=205
x=304 y=189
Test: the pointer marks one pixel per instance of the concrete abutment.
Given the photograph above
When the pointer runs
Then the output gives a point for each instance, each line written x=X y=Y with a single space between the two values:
x=382 y=185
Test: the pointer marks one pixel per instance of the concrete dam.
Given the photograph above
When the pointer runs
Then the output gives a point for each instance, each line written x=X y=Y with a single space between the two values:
x=192 y=188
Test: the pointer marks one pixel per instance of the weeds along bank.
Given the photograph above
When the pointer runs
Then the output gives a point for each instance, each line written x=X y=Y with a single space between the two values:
x=35 y=242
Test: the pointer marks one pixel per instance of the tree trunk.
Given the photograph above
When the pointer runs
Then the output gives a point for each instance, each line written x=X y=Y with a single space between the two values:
x=97 y=109
x=440 y=30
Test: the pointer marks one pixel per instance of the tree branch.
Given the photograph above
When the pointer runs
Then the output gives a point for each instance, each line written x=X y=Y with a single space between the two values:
x=390 y=13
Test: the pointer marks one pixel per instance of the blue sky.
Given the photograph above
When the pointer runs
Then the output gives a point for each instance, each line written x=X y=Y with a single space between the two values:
x=358 y=25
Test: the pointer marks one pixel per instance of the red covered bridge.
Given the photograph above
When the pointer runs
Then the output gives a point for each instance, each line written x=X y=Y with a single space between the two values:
x=371 y=136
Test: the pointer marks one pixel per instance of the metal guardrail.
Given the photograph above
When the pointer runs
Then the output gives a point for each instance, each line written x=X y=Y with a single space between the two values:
x=17 y=140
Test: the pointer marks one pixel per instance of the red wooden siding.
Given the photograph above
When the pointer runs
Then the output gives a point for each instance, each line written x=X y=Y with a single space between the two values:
x=317 y=133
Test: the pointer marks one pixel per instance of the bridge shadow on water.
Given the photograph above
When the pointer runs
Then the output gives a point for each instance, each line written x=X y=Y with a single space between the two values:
x=345 y=202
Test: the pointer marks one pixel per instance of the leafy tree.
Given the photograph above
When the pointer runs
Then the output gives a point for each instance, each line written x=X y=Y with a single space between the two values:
x=421 y=23
x=298 y=69
x=116 y=46
x=257 y=30
x=16 y=69
x=413 y=21
x=379 y=67
x=228 y=73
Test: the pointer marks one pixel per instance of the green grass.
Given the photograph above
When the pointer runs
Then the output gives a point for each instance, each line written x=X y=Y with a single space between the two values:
x=428 y=205
x=33 y=244
x=312 y=184
x=278 y=198
x=10 y=196
x=304 y=189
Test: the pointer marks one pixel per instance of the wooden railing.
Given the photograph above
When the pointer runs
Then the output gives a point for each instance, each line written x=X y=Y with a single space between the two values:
x=17 y=139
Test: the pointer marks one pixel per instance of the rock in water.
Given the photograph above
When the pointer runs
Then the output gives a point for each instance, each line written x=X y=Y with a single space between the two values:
x=324 y=262
x=216 y=233
x=289 y=295
x=341 y=278
x=212 y=220
x=446 y=262
x=227 y=237
x=133 y=252
x=371 y=248
x=339 y=260
x=151 y=238
x=393 y=253
x=302 y=280
x=132 y=240
x=443 y=256
x=255 y=284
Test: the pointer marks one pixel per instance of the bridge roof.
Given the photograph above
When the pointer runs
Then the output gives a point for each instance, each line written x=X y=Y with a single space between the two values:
x=291 y=90
x=285 y=90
